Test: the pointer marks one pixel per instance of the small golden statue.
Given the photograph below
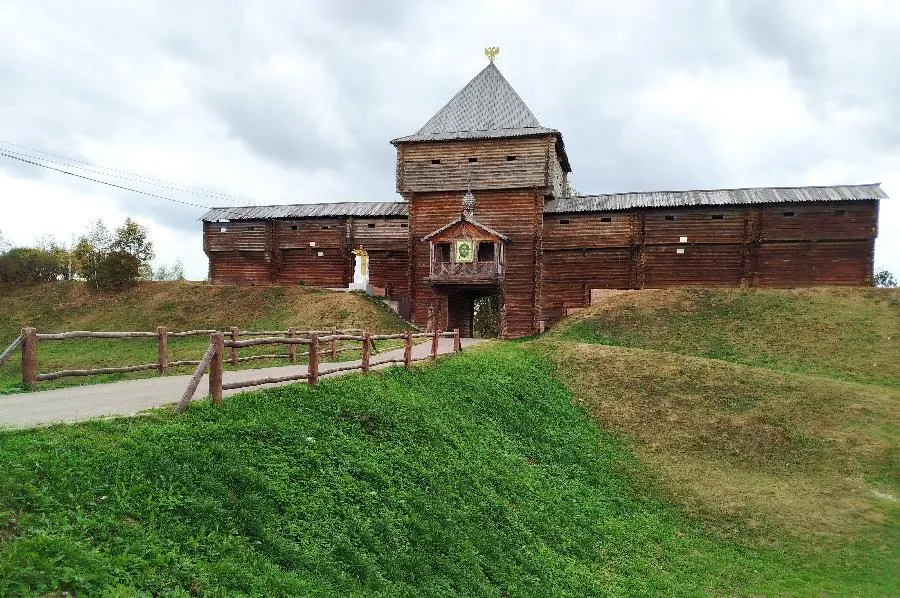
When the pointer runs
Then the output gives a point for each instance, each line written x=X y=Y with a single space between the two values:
x=491 y=52
x=363 y=260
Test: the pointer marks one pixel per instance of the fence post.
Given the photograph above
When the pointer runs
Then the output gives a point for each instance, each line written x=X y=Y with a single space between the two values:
x=434 y=344
x=215 y=367
x=457 y=345
x=366 y=351
x=234 y=350
x=162 y=350
x=407 y=350
x=313 y=359
x=333 y=345
x=292 y=349
x=29 y=356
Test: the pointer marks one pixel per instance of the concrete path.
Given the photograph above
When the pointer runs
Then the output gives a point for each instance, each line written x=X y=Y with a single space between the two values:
x=80 y=403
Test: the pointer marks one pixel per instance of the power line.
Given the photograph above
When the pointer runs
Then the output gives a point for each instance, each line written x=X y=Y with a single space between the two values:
x=69 y=160
x=187 y=203
x=107 y=174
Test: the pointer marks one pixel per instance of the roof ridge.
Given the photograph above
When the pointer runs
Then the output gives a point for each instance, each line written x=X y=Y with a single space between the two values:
x=725 y=189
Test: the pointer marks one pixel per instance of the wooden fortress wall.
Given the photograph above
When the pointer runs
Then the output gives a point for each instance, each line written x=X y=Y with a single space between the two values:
x=316 y=251
x=776 y=245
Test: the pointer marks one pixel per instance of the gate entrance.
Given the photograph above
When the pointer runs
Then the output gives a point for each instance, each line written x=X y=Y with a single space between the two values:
x=475 y=312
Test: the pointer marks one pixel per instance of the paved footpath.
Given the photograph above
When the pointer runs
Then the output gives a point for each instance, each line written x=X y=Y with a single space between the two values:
x=80 y=403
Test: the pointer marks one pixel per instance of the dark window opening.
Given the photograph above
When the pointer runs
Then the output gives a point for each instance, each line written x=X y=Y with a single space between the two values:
x=251 y=228
x=606 y=219
x=510 y=158
x=788 y=214
x=325 y=227
x=404 y=225
x=436 y=161
x=473 y=159
x=371 y=225
x=564 y=221
x=670 y=217
x=442 y=252
x=840 y=212
x=718 y=216
x=485 y=252
x=294 y=227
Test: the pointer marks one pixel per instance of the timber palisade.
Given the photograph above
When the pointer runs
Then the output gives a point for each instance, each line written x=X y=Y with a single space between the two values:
x=487 y=210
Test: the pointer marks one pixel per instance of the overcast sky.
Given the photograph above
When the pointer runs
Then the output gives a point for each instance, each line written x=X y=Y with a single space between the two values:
x=295 y=101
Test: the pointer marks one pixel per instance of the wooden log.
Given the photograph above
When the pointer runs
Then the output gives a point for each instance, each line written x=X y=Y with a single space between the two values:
x=60 y=336
x=366 y=352
x=7 y=353
x=162 y=350
x=175 y=364
x=195 y=379
x=407 y=350
x=257 y=357
x=387 y=337
x=434 y=345
x=233 y=349
x=260 y=381
x=268 y=340
x=29 y=356
x=215 y=367
x=184 y=333
x=313 y=367
x=292 y=349
x=96 y=371
x=457 y=344
x=333 y=344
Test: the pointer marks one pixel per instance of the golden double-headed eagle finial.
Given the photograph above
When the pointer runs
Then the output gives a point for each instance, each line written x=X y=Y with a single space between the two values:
x=491 y=52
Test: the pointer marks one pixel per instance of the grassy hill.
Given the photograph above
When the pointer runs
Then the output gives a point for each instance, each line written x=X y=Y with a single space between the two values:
x=60 y=306
x=767 y=412
x=556 y=466
x=473 y=477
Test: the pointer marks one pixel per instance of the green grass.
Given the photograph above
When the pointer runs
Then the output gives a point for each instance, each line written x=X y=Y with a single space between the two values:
x=474 y=477
x=847 y=334
x=62 y=306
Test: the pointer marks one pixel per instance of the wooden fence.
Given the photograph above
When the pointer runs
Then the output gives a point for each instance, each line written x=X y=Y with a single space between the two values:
x=214 y=358
x=30 y=338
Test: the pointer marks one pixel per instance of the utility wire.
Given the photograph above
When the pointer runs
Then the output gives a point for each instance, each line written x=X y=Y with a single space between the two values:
x=187 y=203
x=106 y=174
x=69 y=160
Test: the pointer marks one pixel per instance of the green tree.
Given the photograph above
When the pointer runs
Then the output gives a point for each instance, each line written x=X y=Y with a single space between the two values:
x=883 y=278
x=113 y=261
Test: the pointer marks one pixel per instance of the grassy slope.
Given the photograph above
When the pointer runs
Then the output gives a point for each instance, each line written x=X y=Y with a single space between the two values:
x=473 y=477
x=848 y=334
x=802 y=443
x=177 y=305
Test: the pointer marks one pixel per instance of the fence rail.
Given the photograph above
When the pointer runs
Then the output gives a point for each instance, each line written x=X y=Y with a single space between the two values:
x=215 y=357
x=29 y=339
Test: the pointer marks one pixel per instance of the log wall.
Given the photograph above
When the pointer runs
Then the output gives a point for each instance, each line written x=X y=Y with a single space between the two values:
x=445 y=165
x=784 y=245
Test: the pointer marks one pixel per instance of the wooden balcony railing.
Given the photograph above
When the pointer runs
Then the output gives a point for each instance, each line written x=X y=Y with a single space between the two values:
x=448 y=272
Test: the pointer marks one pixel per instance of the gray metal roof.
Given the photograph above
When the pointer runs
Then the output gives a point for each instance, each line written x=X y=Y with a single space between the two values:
x=713 y=197
x=309 y=210
x=485 y=108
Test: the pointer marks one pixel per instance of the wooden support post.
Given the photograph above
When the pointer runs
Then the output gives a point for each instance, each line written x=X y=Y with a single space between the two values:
x=215 y=367
x=29 y=356
x=434 y=344
x=407 y=350
x=292 y=349
x=366 y=351
x=234 y=350
x=313 y=359
x=457 y=345
x=162 y=350
x=333 y=346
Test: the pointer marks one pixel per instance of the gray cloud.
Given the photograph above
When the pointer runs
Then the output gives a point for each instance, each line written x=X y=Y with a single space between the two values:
x=283 y=101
